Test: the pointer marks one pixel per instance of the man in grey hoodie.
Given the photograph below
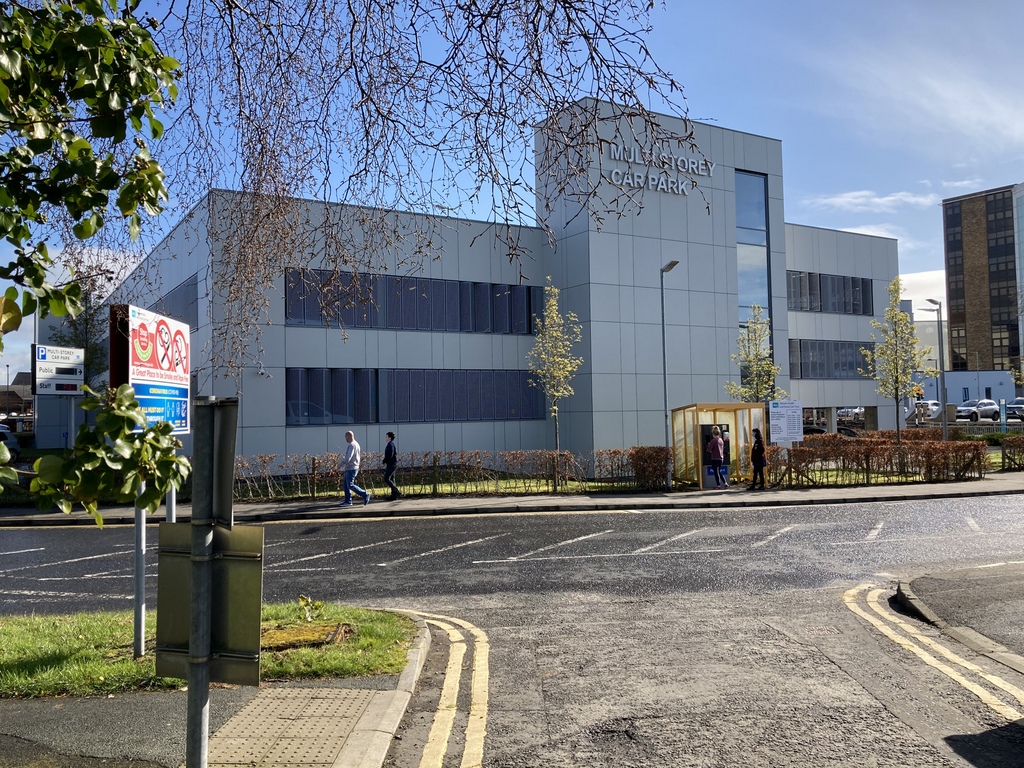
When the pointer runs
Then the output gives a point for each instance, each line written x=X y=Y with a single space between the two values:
x=353 y=454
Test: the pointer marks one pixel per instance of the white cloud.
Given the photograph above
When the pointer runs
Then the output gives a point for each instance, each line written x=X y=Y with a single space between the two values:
x=921 y=91
x=868 y=201
x=972 y=184
x=878 y=230
x=921 y=286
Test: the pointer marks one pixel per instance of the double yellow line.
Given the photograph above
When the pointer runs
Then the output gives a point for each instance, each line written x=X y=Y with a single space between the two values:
x=459 y=632
x=952 y=665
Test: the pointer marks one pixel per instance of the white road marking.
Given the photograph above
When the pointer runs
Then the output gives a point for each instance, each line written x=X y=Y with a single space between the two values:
x=996 y=565
x=772 y=537
x=123 y=574
x=873 y=534
x=442 y=549
x=41 y=593
x=23 y=551
x=667 y=541
x=860 y=542
x=972 y=525
x=62 y=562
x=560 y=544
x=335 y=552
x=598 y=556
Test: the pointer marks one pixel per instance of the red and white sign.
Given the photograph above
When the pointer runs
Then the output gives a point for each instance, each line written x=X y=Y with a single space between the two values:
x=159 y=348
x=158 y=367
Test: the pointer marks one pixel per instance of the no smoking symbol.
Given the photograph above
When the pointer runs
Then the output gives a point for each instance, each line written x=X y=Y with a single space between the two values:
x=163 y=345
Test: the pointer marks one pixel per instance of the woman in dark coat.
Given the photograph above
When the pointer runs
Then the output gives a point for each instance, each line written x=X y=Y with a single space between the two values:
x=757 y=460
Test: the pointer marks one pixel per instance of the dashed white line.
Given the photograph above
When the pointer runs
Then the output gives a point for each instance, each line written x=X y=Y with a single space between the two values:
x=772 y=537
x=860 y=542
x=669 y=540
x=42 y=593
x=560 y=544
x=873 y=534
x=23 y=551
x=335 y=552
x=63 y=562
x=442 y=549
x=996 y=565
x=599 y=556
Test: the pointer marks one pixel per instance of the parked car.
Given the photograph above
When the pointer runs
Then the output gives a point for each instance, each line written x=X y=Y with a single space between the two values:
x=8 y=439
x=924 y=410
x=1015 y=409
x=978 y=409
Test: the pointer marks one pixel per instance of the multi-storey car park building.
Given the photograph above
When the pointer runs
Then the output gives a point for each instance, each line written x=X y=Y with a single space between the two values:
x=439 y=354
x=983 y=271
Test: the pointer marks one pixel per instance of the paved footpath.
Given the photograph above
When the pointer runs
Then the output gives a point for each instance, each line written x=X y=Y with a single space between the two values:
x=350 y=724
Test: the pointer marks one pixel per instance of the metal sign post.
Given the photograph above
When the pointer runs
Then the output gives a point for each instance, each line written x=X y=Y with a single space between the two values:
x=140 y=579
x=216 y=423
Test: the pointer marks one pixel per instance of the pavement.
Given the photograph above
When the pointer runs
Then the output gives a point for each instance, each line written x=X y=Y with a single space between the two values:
x=351 y=723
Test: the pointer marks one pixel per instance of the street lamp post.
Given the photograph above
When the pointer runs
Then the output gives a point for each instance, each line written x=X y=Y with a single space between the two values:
x=942 y=365
x=664 y=363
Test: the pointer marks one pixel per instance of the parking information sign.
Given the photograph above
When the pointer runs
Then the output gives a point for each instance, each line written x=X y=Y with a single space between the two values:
x=158 y=367
x=785 y=420
x=58 y=370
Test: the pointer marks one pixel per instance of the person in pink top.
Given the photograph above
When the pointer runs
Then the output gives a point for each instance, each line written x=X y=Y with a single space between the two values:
x=716 y=452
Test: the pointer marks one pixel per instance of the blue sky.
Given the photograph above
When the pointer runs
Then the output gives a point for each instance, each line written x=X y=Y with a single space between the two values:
x=883 y=108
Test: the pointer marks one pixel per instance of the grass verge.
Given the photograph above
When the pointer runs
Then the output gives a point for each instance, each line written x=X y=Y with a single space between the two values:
x=88 y=654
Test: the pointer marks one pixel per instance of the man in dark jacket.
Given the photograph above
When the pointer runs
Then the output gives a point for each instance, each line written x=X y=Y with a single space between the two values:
x=390 y=465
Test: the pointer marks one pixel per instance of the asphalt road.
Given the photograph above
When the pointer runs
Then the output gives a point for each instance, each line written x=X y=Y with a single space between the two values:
x=671 y=638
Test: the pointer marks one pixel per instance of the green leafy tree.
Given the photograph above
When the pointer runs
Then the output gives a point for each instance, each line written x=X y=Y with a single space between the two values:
x=551 y=360
x=758 y=371
x=113 y=459
x=895 y=360
x=79 y=85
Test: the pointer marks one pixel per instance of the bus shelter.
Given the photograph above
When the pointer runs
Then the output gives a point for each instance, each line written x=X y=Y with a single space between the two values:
x=691 y=430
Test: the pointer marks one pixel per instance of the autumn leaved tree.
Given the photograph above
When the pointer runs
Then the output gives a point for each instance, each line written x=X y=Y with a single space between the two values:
x=758 y=371
x=894 y=360
x=551 y=361
x=80 y=83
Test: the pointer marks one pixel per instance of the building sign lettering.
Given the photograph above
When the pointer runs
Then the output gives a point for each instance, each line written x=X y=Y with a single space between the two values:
x=658 y=169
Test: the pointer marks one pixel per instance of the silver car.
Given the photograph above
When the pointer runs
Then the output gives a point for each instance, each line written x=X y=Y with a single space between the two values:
x=1015 y=409
x=978 y=409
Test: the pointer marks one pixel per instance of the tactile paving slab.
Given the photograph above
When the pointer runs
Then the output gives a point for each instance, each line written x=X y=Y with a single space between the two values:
x=289 y=728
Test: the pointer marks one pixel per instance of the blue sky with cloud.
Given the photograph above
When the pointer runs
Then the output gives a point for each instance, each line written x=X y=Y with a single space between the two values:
x=883 y=108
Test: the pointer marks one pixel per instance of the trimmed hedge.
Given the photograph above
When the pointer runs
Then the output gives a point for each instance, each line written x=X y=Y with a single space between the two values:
x=831 y=460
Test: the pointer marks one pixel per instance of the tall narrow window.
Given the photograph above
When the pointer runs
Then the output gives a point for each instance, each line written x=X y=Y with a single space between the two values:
x=296 y=386
x=752 y=243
